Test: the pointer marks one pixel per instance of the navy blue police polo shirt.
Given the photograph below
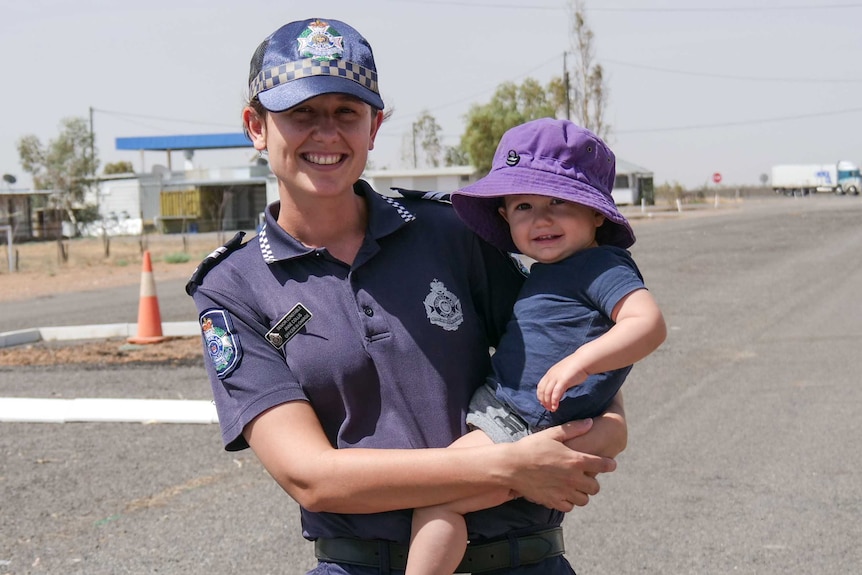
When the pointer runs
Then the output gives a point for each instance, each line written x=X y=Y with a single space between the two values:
x=388 y=350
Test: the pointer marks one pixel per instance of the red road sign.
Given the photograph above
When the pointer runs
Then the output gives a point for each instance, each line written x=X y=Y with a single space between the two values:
x=716 y=177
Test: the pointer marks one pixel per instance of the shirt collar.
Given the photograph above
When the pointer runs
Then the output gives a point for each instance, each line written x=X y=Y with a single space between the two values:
x=385 y=216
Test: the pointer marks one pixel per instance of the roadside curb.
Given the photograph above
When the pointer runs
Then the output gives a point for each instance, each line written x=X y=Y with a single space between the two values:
x=106 y=410
x=42 y=410
x=105 y=331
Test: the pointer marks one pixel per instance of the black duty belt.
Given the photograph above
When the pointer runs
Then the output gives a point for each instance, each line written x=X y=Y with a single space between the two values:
x=511 y=552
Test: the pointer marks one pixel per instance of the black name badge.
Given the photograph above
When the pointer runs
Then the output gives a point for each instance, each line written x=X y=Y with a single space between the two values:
x=288 y=326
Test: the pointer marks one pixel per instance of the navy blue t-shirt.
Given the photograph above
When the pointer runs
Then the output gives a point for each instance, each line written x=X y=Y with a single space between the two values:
x=395 y=346
x=561 y=307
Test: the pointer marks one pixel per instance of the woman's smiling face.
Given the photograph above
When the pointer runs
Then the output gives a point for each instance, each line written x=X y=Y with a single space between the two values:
x=321 y=145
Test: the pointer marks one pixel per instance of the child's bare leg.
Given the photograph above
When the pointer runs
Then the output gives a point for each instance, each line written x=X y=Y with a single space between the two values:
x=439 y=532
x=438 y=541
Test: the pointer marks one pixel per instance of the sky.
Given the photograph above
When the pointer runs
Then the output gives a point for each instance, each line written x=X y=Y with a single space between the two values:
x=696 y=87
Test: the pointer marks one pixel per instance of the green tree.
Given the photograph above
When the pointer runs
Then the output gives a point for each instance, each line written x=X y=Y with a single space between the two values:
x=589 y=90
x=456 y=156
x=514 y=104
x=424 y=148
x=66 y=164
x=670 y=192
x=123 y=167
x=511 y=104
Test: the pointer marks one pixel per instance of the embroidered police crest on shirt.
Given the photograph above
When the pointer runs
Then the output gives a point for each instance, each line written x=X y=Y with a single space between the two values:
x=221 y=340
x=443 y=308
x=320 y=42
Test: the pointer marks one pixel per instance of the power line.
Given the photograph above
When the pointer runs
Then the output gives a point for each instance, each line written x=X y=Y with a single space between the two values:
x=632 y=131
x=742 y=122
x=522 y=6
x=469 y=98
x=734 y=77
x=784 y=8
x=481 y=5
x=164 y=119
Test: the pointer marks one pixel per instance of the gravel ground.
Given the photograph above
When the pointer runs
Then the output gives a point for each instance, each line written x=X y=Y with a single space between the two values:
x=742 y=427
x=180 y=351
x=40 y=274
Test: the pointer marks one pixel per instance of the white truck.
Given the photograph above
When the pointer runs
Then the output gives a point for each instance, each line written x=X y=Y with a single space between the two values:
x=803 y=179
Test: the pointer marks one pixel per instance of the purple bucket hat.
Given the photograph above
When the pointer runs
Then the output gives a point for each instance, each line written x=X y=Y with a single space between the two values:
x=547 y=157
x=311 y=57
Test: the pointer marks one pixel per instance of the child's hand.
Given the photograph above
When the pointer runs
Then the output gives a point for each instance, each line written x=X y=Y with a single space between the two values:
x=562 y=375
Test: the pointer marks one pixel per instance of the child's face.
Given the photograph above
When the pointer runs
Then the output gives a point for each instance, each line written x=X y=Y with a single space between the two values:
x=550 y=229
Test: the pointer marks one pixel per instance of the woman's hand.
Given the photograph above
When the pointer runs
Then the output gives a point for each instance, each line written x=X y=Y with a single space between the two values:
x=291 y=445
x=290 y=442
x=550 y=474
x=609 y=434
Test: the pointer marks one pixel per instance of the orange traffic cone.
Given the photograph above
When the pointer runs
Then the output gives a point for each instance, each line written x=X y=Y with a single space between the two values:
x=149 y=318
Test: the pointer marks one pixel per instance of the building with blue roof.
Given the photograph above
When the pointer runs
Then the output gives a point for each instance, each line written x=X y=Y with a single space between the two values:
x=194 y=199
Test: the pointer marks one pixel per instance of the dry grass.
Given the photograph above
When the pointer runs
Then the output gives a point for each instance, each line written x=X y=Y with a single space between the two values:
x=177 y=351
x=41 y=271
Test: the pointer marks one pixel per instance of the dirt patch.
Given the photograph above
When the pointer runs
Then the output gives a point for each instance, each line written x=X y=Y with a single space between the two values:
x=179 y=351
x=41 y=272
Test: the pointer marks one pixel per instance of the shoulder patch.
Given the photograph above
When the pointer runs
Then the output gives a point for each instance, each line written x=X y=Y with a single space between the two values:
x=222 y=341
x=424 y=195
x=212 y=260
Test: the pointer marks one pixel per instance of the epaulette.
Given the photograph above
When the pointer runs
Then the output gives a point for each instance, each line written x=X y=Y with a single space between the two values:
x=444 y=197
x=211 y=260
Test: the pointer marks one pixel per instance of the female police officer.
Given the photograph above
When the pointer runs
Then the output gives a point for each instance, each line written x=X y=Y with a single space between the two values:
x=353 y=330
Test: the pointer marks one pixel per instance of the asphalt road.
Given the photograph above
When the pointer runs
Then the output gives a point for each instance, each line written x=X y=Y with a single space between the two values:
x=744 y=452
x=114 y=305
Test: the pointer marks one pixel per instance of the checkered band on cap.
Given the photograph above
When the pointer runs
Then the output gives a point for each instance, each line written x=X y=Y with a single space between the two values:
x=311 y=67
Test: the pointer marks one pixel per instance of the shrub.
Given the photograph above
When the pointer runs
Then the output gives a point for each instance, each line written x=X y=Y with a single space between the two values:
x=177 y=258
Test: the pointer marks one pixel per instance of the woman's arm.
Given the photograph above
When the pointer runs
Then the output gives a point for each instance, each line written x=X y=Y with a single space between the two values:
x=290 y=442
x=608 y=436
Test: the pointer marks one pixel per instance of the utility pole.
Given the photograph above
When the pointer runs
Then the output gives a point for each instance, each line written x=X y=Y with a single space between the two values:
x=414 y=146
x=92 y=145
x=566 y=85
x=106 y=240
